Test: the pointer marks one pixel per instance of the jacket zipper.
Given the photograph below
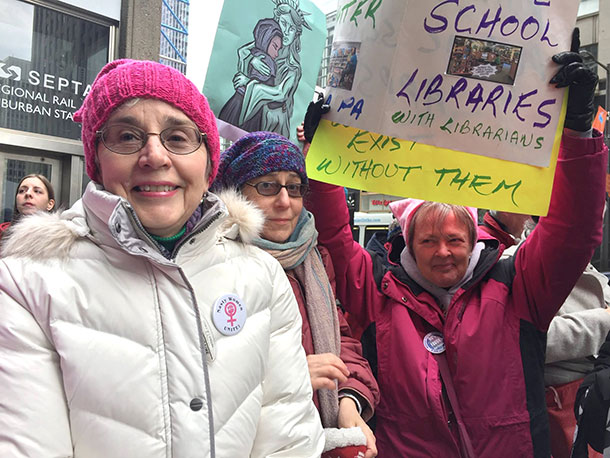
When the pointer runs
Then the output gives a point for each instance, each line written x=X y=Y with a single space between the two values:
x=202 y=338
x=197 y=232
x=207 y=346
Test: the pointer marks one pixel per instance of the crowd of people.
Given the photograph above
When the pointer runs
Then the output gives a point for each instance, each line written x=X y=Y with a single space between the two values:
x=199 y=303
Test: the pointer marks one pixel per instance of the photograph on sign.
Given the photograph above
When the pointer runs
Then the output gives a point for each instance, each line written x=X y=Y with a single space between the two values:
x=264 y=65
x=343 y=64
x=485 y=60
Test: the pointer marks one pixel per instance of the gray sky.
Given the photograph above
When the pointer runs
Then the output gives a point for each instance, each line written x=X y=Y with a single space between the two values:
x=326 y=5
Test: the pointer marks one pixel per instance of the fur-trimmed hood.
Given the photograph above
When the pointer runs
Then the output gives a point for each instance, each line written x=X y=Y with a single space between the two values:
x=52 y=235
x=245 y=220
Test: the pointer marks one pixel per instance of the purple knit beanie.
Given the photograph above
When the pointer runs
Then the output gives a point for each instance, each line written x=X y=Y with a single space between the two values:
x=126 y=79
x=257 y=154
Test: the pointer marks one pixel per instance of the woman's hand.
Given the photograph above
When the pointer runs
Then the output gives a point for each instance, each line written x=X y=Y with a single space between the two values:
x=324 y=369
x=301 y=133
x=349 y=417
x=301 y=138
x=314 y=113
x=240 y=80
x=260 y=66
x=582 y=82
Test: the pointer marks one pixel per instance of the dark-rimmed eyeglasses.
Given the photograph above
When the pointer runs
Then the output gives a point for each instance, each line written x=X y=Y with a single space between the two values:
x=128 y=139
x=271 y=188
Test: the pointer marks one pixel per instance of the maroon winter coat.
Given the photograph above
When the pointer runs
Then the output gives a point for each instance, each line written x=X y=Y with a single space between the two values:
x=361 y=378
x=494 y=329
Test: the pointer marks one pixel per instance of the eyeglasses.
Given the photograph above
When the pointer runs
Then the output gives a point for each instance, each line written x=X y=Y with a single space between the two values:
x=271 y=188
x=128 y=139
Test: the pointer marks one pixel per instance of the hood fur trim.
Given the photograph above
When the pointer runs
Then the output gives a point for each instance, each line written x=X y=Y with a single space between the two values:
x=245 y=220
x=52 y=235
x=41 y=236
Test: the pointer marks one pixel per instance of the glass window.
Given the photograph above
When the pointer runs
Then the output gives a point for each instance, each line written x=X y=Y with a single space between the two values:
x=588 y=7
x=48 y=59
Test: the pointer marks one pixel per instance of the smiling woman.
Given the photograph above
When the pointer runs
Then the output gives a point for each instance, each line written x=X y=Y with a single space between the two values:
x=143 y=301
x=269 y=171
x=165 y=181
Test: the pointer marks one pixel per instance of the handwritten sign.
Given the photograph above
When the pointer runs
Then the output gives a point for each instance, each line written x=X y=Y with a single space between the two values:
x=264 y=65
x=347 y=156
x=465 y=82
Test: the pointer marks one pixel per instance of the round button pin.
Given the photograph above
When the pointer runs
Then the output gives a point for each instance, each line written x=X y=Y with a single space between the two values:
x=434 y=343
x=229 y=314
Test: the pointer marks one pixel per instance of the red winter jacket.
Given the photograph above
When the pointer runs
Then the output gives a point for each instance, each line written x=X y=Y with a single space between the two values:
x=494 y=329
x=361 y=378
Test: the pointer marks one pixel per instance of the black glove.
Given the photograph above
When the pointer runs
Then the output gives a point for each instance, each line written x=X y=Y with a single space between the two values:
x=314 y=113
x=582 y=82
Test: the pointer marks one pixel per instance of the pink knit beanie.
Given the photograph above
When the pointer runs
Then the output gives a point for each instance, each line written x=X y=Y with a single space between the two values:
x=404 y=210
x=126 y=79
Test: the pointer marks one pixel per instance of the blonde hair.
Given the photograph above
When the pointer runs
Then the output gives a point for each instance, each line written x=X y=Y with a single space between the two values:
x=438 y=212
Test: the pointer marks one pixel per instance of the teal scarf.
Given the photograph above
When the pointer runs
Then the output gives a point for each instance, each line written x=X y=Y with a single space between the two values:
x=300 y=255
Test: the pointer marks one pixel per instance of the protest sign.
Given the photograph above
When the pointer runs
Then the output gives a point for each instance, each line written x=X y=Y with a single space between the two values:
x=459 y=85
x=264 y=65
x=599 y=122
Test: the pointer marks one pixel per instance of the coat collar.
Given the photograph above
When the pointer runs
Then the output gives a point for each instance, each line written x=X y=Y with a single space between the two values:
x=107 y=219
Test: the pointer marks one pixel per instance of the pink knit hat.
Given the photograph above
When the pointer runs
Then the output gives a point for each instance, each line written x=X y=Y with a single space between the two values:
x=126 y=79
x=404 y=210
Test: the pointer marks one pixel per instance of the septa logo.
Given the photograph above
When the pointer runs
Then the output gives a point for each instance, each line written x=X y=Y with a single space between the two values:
x=13 y=72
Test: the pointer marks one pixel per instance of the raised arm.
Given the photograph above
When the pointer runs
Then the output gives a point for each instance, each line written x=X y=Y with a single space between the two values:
x=354 y=270
x=556 y=253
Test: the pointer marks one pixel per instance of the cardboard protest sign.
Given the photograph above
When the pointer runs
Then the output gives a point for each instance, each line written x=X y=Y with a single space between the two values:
x=264 y=65
x=459 y=86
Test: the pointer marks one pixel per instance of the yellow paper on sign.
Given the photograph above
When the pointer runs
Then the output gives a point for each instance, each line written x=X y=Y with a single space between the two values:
x=354 y=158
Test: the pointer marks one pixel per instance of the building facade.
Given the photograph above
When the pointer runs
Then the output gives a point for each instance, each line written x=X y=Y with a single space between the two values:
x=50 y=53
x=174 y=33
x=49 y=56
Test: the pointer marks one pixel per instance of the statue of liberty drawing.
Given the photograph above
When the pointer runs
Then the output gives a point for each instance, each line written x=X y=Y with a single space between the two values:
x=268 y=72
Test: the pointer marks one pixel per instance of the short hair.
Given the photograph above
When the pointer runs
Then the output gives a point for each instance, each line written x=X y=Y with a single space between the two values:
x=438 y=212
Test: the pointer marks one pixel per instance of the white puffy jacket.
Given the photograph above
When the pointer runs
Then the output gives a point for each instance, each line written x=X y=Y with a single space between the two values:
x=108 y=349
